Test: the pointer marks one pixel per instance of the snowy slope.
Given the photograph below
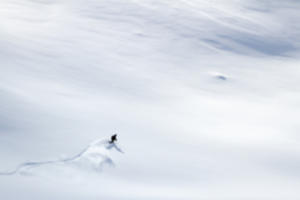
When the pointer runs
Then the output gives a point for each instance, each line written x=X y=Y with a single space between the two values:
x=92 y=158
x=203 y=94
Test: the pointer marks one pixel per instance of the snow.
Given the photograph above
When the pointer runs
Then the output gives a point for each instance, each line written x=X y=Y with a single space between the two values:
x=93 y=158
x=204 y=97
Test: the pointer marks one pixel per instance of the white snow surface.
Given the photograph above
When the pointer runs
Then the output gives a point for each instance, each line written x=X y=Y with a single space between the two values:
x=92 y=158
x=204 y=96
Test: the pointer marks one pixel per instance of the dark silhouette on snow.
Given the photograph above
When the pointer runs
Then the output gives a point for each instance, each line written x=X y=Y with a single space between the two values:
x=113 y=138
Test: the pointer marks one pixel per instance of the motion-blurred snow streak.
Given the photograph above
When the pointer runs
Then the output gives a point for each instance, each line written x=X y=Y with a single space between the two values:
x=93 y=157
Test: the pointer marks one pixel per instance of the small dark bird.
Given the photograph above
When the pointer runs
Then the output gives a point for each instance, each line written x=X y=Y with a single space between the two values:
x=113 y=138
